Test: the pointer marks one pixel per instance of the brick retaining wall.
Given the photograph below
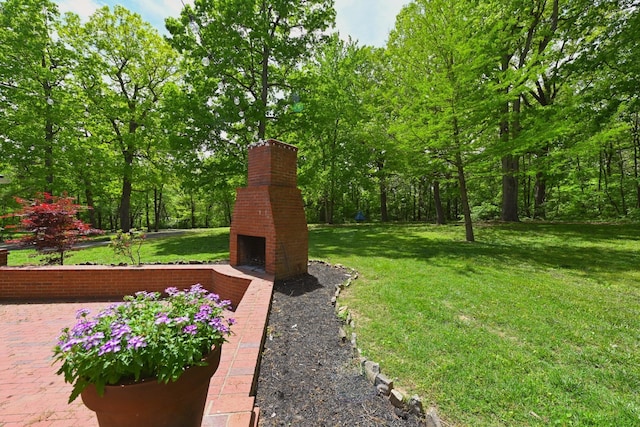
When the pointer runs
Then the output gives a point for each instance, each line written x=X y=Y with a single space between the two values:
x=77 y=282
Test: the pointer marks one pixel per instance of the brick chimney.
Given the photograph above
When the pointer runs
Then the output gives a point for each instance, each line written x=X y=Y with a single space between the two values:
x=269 y=227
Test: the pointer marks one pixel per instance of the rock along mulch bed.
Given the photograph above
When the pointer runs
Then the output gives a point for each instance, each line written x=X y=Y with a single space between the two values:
x=308 y=375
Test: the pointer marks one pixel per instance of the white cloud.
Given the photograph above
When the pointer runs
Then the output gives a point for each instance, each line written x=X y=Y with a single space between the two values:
x=368 y=21
x=152 y=11
x=159 y=9
x=84 y=8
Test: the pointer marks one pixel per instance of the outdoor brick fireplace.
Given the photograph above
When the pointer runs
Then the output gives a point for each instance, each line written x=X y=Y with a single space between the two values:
x=268 y=227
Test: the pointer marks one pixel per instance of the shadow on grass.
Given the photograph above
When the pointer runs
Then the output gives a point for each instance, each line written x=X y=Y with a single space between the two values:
x=500 y=243
x=586 y=232
x=214 y=245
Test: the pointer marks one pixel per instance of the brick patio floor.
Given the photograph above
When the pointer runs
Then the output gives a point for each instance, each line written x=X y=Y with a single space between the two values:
x=31 y=394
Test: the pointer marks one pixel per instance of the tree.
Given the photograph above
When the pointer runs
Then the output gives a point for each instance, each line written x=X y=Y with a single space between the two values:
x=534 y=45
x=34 y=102
x=432 y=49
x=124 y=65
x=330 y=127
x=52 y=223
x=240 y=55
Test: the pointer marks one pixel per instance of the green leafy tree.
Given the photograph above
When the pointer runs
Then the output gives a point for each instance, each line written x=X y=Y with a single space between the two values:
x=329 y=126
x=124 y=65
x=534 y=44
x=249 y=49
x=34 y=101
x=433 y=50
x=239 y=58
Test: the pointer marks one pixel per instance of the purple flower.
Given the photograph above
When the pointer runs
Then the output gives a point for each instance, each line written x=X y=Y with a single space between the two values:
x=83 y=312
x=172 y=291
x=68 y=345
x=213 y=297
x=217 y=324
x=109 y=311
x=111 y=346
x=146 y=295
x=197 y=289
x=190 y=329
x=162 y=318
x=224 y=304
x=203 y=314
x=118 y=330
x=136 y=342
x=180 y=320
x=93 y=341
x=84 y=327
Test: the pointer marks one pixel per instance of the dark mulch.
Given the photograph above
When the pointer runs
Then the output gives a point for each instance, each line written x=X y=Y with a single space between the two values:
x=308 y=376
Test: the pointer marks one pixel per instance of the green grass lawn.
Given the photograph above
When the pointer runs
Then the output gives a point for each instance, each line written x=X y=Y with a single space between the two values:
x=531 y=325
x=534 y=324
x=192 y=245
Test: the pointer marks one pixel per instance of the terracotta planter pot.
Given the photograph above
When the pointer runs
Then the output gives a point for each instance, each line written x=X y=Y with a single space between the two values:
x=150 y=403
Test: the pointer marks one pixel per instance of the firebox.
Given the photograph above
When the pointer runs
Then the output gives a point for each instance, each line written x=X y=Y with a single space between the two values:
x=268 y=226
x=251 y=251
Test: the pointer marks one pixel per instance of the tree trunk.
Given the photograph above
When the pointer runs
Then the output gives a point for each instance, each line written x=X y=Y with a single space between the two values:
x=437 y=201
x=636 y=147
x=540 y=194
x=192 y=206
x=49 y=133
x=464 y=199
x=509 y=161
x=264 y=92
x=147 y=209
x=125 y=198
x=384 y=213
x=88 y=194
x=509 y=189
x=526 y=185
x=48 y=147
x=48 y=154
x=331 y=196
x=207 y=217
x=623 y=201
x=228 y=210
x=328 y=209
x=462 y=182
x=157 y=204
x=420 y=198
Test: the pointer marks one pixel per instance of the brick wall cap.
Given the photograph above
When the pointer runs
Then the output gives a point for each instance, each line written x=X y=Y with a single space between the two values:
x=273 y=143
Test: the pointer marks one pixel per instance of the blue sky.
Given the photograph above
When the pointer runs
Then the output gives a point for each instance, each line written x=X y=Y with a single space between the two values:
x=368 y=21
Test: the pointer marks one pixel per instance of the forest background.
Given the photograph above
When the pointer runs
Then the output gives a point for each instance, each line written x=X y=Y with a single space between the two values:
x=474 y=110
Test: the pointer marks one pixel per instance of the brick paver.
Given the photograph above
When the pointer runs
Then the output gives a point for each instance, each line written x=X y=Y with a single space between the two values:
x=31 y=394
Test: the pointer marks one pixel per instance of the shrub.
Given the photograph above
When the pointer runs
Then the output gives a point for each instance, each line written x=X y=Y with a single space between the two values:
x=51 y=225
x=125 y=244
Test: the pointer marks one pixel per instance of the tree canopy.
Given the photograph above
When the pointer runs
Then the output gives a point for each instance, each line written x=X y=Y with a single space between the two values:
x=474 y=110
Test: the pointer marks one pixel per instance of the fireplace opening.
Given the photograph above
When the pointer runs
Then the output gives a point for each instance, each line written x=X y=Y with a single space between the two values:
x=252 y=251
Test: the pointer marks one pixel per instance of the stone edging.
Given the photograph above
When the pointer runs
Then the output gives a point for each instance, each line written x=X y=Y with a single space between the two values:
x=371 y=369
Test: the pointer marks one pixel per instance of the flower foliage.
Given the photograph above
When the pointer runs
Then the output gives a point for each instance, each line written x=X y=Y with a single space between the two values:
x=144 y=337
x=52 y=224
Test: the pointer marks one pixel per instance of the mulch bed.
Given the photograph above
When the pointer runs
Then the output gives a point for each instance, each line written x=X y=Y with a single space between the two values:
x=308 y=375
